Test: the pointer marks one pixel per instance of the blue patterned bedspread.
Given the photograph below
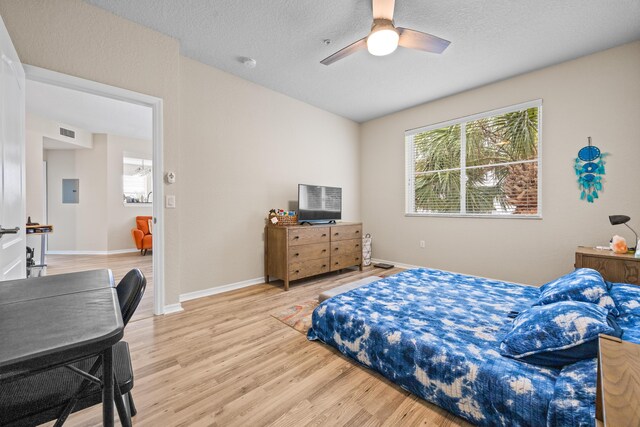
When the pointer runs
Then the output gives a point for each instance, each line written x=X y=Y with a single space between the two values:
x=437 y=334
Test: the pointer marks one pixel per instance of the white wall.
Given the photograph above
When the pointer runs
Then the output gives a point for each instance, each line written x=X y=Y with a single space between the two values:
x=34 y=184
x=37 y=130
x=597 y=96
x=34 y=175
x=100 y=222
x=245 y=148
x=121 y=218
x=78 y=226
x=41 y=133
x=50 y=130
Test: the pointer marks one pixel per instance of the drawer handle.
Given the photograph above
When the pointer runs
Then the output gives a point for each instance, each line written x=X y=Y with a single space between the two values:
x=336 y=263
x=297 y=271
x=323 y=265
x=335 y=249
x=324 y=235
x=296 y=237
x=357 y=258
x=297 y=255
x=335 y=234
x=357 y=244
x=324 y=250
x=357 y=231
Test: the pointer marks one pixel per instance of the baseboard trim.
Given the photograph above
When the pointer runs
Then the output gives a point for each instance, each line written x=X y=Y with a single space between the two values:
x=172 y=308
x=396 y=264
x=220 y=289
x=116 y=252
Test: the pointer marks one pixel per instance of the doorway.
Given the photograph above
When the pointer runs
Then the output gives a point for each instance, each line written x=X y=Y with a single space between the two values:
x=115 y=174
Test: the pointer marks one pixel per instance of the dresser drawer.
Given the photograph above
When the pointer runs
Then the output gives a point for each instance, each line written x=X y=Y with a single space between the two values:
x=346 y=232
x=343 y=261
x=302 y=236
x=351 y=246
x=613 y=270
x=298 y=270
x=311 y=251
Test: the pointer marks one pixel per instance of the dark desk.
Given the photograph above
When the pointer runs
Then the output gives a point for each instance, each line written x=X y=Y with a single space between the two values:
x=43 y=231
x=62 y=284
x=53 y=320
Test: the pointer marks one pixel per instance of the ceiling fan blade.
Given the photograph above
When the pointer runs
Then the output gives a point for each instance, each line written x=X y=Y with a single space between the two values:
x=383 y=9
x=413 y=39
x=352 y=48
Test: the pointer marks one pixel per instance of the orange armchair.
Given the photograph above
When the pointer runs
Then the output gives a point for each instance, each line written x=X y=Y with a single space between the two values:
x=142 y=235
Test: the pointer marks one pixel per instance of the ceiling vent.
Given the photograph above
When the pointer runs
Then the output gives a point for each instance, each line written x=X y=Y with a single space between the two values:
x=67 y=133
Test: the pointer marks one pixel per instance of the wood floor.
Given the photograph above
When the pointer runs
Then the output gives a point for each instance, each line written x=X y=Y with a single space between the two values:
x=225 y=361
x=120 y=264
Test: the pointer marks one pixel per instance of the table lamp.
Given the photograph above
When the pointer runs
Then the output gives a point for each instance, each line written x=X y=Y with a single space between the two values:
x=623 y=219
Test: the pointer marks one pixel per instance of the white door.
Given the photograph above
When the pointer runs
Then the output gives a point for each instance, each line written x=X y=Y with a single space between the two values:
x=12 y=199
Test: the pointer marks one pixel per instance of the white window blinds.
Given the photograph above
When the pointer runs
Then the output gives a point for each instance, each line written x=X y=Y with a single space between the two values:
x=487 y=164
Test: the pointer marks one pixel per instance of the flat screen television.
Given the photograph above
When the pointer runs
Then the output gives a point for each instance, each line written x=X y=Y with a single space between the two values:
x=317 y=203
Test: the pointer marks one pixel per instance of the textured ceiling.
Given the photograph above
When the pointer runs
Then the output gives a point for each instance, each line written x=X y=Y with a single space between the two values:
x=490 y=40
x=93 y=113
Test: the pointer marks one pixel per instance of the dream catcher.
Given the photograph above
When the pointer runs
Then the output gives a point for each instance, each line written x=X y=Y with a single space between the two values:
x=589 y=168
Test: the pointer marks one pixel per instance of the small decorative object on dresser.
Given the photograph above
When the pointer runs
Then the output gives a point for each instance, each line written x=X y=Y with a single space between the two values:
x=620 y=268
x=623 y=219
x=300 y=251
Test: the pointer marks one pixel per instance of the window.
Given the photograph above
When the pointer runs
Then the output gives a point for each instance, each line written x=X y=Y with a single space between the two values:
x=137 y=180
x=482 y=165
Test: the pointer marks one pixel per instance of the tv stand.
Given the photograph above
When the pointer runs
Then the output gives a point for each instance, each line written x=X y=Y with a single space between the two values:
x=299 y=251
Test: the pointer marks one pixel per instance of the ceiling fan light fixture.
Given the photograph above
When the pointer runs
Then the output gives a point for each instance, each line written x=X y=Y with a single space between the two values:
x=383 y=38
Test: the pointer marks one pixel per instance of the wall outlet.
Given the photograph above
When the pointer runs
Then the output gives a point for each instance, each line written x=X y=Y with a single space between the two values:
x=170 y=201
x=422 y=244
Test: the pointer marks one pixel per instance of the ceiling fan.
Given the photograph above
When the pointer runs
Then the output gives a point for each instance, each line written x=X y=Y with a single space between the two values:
x=385 y=37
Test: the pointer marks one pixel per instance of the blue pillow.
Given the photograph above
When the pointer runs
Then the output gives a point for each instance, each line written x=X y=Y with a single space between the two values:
x=558 y=334
x=626 y=297
x=584 y=284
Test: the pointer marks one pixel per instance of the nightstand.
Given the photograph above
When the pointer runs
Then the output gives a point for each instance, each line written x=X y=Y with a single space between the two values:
x=618 y=384
x=620 y=268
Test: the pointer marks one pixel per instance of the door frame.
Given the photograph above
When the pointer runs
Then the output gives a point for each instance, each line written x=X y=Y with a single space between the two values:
x=44 y=75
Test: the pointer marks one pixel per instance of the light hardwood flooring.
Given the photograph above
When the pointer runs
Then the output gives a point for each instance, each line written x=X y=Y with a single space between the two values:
x=120 y=264
x=225 y=361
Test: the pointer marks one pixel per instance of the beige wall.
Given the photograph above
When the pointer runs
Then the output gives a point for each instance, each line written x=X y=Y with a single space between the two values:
x=79 y=39
x=245 y=149
x=228 y=123
x=73 y=37
x=597 y=96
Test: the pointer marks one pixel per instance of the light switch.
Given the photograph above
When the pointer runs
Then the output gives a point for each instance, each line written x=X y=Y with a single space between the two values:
x=170 y=201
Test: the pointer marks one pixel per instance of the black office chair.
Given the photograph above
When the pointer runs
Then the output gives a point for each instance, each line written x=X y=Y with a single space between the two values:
x=130 y=291
x=56 y=393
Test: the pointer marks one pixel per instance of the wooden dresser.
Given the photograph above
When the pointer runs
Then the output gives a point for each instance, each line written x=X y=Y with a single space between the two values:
x=622 y=268
x=299 y=251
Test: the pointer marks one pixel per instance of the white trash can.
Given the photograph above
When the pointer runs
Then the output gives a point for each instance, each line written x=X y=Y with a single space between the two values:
x=366 y=250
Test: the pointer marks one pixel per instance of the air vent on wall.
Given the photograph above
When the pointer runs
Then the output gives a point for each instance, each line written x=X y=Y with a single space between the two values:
x=67 y=132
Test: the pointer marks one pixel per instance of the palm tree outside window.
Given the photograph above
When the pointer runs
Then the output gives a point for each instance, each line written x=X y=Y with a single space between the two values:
x=482 y=165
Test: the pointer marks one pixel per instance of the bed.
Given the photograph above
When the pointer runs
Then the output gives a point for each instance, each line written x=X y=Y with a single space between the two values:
x=437 y=334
